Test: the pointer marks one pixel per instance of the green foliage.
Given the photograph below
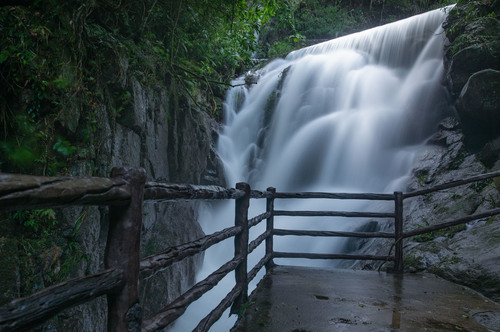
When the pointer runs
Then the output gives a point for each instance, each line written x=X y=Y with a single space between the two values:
x=282 y=48
x=209 y=39
x=59 y=58
x=35 y=220
x=64 y=147
x=465 y=13
x=320 y=19
x=244 y=306
x=31 y=86
x=46 y=253
x=448 y=232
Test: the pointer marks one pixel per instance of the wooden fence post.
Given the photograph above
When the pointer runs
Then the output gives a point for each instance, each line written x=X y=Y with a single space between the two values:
x=241 y=246
x=123 y=251
x=270 y=227
x=398 y=232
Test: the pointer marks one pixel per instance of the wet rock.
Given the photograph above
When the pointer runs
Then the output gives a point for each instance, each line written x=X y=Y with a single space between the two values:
x=160 y=289
x=477 y=258
x=490 y=153
x=472 y=69
x=189 y=143
x=478 y=106
x=467 y=254
x=475 y=49
x=126 y=148
x=69 y=117
x=488 y=318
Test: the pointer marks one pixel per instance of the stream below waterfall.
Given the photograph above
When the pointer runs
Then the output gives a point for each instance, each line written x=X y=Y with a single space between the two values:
x=347 y=115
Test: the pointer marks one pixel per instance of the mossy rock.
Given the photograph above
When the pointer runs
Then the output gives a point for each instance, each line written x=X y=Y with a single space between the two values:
x=478 y=106
x=9 y=271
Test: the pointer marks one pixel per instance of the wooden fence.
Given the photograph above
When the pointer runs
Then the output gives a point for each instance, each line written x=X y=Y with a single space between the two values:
x=126 y=190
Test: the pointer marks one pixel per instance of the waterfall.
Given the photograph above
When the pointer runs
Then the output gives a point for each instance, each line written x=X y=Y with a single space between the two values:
x=343 y=114
x=347 y=115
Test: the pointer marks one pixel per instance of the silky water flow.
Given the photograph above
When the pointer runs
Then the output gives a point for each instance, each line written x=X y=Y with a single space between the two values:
x=347 y=115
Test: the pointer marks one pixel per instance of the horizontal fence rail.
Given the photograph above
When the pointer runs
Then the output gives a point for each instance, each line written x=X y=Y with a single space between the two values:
x=453 y=184
x=333 y=214
x=34 y=192
x=452 y=223
x=126 y=190
x=163 y=191
x=154 y=263
x=373 y=197
x=365 y=235
x=331 y=256
x=25 y=313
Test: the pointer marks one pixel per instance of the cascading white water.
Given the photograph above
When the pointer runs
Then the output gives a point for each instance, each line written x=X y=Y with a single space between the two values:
x=342 y=116
x=346 y=113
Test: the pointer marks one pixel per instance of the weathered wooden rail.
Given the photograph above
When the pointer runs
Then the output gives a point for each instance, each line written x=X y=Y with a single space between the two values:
x=126 y=190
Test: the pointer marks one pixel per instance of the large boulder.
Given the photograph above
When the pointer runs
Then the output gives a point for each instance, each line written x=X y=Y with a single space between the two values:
x=479 y=107
x=476 y=49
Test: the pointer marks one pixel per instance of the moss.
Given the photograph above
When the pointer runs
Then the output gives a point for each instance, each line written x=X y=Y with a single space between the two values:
x=491 y=220
x=446 y=232
x=480 y=185
x=152 y=246
x=9 y=271
x=433 y=247
x=496 y=181
x=459 y=159
x=422 y=177
x=494 y=240
x=38 y=250
x=410 y=261
x=451 y=260
x=442 y=210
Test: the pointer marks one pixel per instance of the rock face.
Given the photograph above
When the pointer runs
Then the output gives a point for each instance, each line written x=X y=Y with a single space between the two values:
x=173 y=141
x=467 y=254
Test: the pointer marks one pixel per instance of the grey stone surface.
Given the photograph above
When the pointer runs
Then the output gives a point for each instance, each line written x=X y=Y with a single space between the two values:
x=467 y=254
x=165 y=225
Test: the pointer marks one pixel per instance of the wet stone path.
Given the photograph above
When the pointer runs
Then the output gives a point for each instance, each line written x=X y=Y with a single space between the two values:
x=299 y=299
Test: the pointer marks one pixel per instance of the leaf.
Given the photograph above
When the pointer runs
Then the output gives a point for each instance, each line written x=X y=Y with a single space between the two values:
x=4 y=56
x=64 y=147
